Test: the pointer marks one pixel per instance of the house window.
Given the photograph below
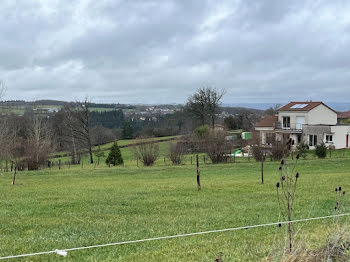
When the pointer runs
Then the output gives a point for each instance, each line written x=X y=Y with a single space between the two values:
x=300 y=121
x=329 y=138
x=312 y=140
x=286 y=122
x=299 y=138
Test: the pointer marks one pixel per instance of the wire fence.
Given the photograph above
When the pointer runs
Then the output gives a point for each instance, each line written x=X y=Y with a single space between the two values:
x=64 y=252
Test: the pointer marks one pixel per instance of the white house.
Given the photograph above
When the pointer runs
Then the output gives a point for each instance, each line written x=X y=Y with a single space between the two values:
x=312 y=122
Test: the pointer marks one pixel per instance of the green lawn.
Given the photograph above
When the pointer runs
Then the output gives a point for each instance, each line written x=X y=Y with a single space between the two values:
x=58 y=209
x=126 y=152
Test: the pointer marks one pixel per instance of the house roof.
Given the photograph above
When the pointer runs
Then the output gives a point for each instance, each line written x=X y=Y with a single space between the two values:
x=267 y=121
x=344 y=115
x=302 y=106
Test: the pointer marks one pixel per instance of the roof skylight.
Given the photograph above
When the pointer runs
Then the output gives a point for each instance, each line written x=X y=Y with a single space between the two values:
x=296 y=106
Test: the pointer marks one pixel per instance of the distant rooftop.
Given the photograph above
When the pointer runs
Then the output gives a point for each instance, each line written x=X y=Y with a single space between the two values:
x=344 y=115
x=268 y=121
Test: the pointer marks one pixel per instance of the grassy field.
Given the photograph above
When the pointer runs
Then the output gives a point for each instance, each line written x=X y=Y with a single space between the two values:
x=58 y=209
x=126 y=152
x=164 y=152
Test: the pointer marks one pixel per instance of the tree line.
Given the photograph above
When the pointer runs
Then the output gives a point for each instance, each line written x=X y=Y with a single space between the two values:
x=30 y=139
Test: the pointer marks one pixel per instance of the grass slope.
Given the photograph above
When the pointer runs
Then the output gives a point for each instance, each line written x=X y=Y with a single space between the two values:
x=74 y=207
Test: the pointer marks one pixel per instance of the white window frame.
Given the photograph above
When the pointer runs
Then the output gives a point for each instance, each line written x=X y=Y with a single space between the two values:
x=312 y=141
x=299 y=124
x=327 y=140
x=283 y=122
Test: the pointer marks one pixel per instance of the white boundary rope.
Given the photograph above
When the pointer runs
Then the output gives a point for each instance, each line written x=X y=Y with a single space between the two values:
x=64 y=252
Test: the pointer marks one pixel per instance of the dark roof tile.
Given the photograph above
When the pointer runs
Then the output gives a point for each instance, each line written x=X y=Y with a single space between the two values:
x=344 y=115
x=268 y=121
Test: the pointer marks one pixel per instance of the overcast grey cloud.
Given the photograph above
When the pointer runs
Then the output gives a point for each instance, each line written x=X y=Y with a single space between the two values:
x=161 y=51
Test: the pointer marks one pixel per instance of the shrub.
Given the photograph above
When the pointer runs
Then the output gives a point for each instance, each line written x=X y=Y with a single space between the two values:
x=258 y=152
x=146 y=151
x=321 y=150
x=176 y=152
x=115 y=156
x=202 y=131
x=217 y=147
x=302 y=149
x=278 y=151
x=36 y=153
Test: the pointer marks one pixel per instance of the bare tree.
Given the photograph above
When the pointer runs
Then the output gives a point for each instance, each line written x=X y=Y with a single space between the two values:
x=204 y=104
x=38 y=142
x=15 y=148
x=272 y=110
x=69 y=125
x=78 y=123
x=83 y=117
x=101 y=135
x=2 y=89
x=5 y=143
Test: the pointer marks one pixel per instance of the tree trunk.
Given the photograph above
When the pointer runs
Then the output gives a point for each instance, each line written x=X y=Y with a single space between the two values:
x=90 y=153
x=74 y=153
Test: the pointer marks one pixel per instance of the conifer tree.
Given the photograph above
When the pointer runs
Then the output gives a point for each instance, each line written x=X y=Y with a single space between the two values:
x=115 y=156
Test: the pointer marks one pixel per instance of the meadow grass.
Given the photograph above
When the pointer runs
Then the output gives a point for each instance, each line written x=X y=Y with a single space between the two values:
x=71 y=207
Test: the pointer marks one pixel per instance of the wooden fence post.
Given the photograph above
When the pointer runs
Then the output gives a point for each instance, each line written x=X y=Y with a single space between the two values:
x=14 y=175
x=198 y=174
x=59 y=164
x=262 y=169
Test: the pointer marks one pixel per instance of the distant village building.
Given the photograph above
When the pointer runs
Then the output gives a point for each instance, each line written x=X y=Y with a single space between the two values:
x=344 y=118
x=218 y=127
x=311 y=122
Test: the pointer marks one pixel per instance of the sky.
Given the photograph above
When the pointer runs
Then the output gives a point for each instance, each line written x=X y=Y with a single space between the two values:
x=141 y=51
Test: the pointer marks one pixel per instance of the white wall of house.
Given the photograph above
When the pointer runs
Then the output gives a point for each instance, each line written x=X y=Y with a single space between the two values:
x=339 y=136
x=319 y=121
x=263 y=131
x=322 y=115
x=293 y=117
